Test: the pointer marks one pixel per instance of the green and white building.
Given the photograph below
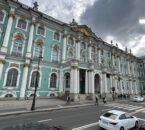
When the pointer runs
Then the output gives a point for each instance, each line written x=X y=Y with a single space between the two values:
x=75 y=60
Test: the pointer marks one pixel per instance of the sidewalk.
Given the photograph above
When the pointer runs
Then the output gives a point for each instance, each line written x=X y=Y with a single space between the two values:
x=13 y=107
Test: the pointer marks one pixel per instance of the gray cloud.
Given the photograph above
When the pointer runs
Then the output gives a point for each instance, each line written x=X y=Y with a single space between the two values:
x=118 y=18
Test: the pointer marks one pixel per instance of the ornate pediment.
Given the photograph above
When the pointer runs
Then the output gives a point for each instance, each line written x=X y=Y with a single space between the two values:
x=84 y=29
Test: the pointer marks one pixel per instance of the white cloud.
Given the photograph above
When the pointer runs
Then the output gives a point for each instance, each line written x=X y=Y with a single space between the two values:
x=64 y=10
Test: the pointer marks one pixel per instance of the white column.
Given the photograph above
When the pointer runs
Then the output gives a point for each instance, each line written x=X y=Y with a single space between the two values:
x=92 y=80
x=128 y=67
x=99 y=56
x=61 y=80
x=78 y=80
x=121 y=87
x=111 y=80
x=86 y=83
x=24 y=81
x=105 y=83
x=78 y=49
x=1 y=67
x=74 y=83
x=30 y=40
x=64 y=46
x=133 y=68
x=90 y=50
x=8 y=31
x=113 y=61
x=131 y=90
x=136 y=90
x=118 y=64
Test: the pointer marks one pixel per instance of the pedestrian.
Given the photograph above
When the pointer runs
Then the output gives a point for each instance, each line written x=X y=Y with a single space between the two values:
x=96 y=100
x=68 y=99
x=104 y=100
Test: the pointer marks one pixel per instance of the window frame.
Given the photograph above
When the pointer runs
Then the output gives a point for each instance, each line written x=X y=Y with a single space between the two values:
x=21 y=27
x=54 y=36
x=21 y=54
x=4 y=12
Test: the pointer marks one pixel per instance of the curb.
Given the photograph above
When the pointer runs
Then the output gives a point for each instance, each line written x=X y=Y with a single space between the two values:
x=44 y=109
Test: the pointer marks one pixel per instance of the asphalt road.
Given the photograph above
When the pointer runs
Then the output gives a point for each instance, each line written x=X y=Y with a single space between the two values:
x=75 y=118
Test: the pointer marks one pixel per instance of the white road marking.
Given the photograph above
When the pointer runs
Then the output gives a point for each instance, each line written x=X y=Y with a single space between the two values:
x=86 y=126
x=124 y=106
x=137 y=111
x=45 y=120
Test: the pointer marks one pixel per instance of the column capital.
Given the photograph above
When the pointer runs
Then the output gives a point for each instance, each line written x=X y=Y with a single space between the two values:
x=65 y=33
x=12 y=13
x=26 y=65
x=2 y=61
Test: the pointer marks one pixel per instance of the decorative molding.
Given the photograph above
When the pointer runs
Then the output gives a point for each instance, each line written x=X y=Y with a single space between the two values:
x=26 y=65
x=19 y=36
x=14 y=65
x=2 y=61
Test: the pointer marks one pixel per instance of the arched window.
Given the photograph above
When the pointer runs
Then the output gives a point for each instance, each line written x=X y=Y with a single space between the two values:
x=17 y=47
x=37 y=50
x=35 y=75
x=41 y=30
x=12 y=78
x=56 y=36
x=22 y=24
x=1 y=16
x=71 y=41
x=55 y=54
x=53 y=81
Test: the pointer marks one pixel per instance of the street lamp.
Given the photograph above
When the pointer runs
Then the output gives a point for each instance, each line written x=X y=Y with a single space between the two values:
x=37 y=79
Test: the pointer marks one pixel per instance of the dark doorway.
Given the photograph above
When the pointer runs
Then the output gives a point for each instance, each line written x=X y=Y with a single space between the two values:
x=82 y=81
x=97 y=84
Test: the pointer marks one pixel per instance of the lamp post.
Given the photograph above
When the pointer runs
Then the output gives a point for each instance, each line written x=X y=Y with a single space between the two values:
x=37 y=79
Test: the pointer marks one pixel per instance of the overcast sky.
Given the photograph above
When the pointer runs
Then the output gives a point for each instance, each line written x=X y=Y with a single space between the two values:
x=116 y=20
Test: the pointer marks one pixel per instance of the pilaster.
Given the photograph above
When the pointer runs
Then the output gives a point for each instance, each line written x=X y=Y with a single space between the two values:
x=2 y=62
x=65 y=35
x=8 y=31
x=24 y=80
x=30 y=40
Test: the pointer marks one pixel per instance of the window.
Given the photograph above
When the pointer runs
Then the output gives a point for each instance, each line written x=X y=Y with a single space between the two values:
x=33 y=79
x=1 y=16
x=37 y=51
x=22 y=24
x=53 y=81
x=55 y=54
x=122 y=117
x=56 y=36
x=67 y=78
x=70 y=41
x=17 y=48
x=12 y=78
x=110 y=115
x=41 y=30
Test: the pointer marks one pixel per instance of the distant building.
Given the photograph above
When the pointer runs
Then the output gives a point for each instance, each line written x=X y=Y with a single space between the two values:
x=74 y=60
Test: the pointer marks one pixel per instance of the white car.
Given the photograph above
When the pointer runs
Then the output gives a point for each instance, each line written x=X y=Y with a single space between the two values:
x=118 y=120
x=138 y=99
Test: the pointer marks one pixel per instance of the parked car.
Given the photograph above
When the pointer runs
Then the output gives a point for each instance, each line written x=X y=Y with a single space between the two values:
x=142 y=127
x=138 y=99
x=118 y=120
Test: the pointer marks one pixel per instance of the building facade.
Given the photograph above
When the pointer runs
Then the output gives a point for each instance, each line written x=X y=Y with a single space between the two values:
x=75 y=60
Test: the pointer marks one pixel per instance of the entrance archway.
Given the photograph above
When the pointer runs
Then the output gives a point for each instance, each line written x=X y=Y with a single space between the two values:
x=82 y=81
x=97 y=84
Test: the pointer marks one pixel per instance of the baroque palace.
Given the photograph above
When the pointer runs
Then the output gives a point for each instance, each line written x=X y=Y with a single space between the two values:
x=75 y=60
